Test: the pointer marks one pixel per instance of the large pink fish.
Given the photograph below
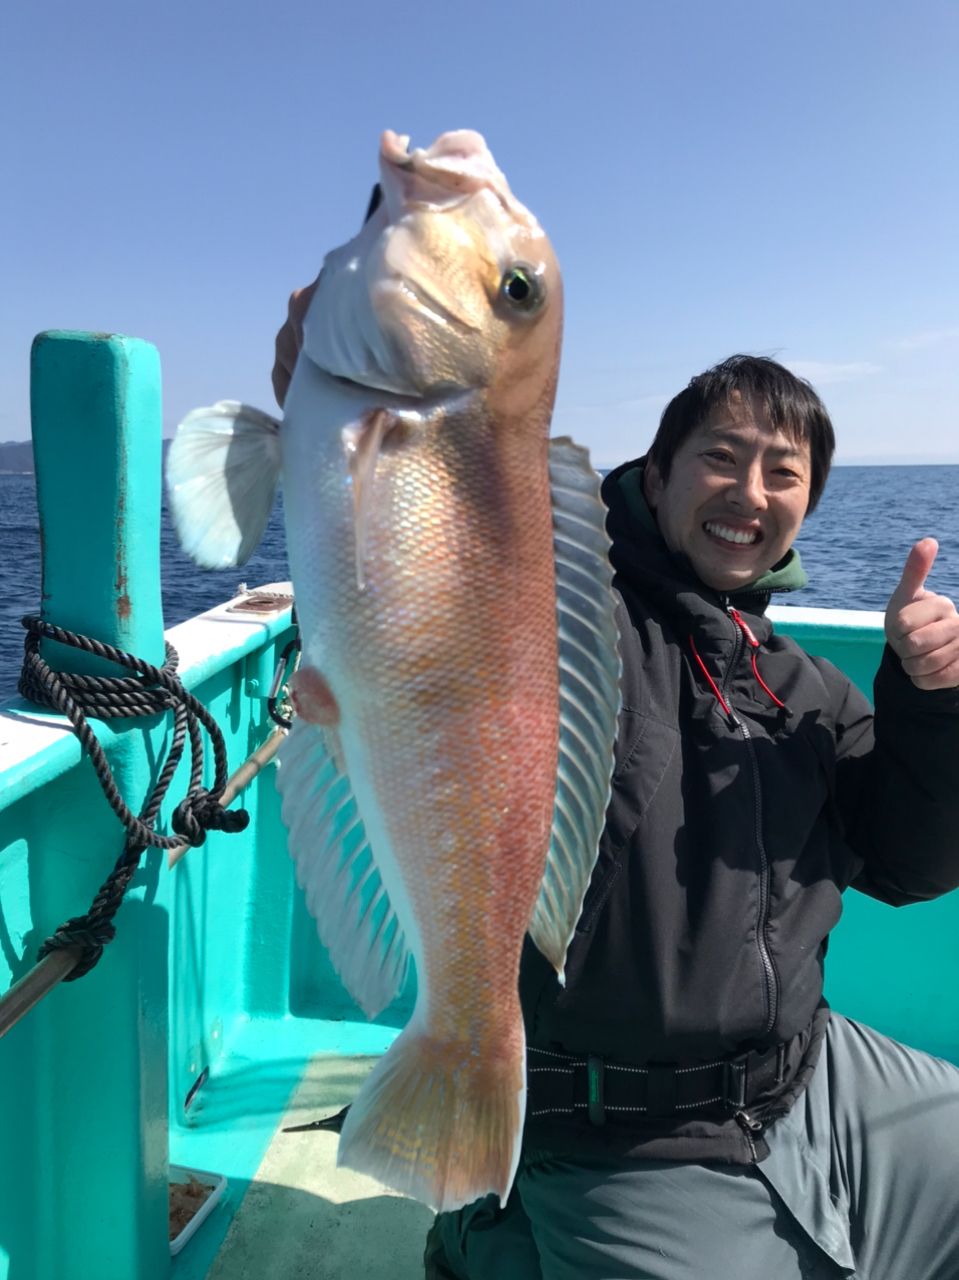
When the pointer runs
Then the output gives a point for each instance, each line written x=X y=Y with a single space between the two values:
x=445 y=781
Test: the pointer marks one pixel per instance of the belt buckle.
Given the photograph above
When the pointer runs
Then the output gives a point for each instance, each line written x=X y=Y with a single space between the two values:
x=595 y=1089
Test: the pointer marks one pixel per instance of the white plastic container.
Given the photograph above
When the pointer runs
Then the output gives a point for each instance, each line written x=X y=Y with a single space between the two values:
x=217 y=1184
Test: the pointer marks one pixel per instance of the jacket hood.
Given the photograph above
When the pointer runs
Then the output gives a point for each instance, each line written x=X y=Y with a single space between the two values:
x=638 y=546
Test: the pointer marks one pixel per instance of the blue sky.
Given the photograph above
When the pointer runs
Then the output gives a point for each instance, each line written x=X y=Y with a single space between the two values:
x=772 y=177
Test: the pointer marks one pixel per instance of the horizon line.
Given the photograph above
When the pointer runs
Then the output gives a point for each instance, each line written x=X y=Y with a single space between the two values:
x=853 y=460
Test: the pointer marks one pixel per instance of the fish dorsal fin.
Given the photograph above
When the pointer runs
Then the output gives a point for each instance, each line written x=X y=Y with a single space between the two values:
x=336 y=870
x=221 y=474
x=588 y=696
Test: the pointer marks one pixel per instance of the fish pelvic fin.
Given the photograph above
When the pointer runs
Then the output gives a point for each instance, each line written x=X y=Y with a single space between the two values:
x=362 y=443
x=436 y=1121
x=589 y=696
x=221 y=473
x=336 y=869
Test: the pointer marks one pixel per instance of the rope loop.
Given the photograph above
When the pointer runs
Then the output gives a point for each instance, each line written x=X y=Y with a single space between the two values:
x=149 y=691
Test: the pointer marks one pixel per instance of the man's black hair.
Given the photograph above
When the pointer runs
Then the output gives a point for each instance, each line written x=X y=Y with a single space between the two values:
x=790 y=404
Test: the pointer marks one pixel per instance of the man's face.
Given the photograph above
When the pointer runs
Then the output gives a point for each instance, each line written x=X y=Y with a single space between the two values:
x=736 y=495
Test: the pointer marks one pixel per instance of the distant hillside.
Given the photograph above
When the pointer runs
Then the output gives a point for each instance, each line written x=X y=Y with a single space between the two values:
x=16 y=455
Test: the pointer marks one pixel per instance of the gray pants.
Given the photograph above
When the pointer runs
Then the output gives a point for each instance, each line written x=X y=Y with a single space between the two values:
x=862 y=1180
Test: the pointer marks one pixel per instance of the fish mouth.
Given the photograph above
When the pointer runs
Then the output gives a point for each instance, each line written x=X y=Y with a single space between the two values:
x=459 y=162
x=455 y=167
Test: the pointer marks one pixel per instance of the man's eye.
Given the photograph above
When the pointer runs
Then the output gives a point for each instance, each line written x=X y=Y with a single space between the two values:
x=718 y=455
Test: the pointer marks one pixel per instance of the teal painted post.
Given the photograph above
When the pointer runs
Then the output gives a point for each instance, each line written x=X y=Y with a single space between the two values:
x=100 y=1177
x=95 y=406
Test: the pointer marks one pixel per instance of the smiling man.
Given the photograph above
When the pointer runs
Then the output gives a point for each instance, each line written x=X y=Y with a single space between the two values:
x=733 y=496
x=695 y=1110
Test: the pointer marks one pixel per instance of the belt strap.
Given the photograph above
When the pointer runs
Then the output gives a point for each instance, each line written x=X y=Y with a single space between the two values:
x=565 y=1084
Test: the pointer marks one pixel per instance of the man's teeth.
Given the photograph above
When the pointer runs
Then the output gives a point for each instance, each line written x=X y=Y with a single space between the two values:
x=731 y=535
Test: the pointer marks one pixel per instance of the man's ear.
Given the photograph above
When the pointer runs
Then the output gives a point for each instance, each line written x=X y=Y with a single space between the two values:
x=652 y=484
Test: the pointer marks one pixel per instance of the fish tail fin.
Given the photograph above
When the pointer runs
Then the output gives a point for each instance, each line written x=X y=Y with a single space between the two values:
x=439 y=1122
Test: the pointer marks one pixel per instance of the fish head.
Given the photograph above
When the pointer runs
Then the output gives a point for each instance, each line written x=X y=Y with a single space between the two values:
x=450 y=287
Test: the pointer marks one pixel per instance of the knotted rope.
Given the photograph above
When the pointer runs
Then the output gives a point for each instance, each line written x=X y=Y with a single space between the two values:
x=149 y=692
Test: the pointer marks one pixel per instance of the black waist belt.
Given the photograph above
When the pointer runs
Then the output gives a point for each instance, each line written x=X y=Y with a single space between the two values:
x=567 y=1084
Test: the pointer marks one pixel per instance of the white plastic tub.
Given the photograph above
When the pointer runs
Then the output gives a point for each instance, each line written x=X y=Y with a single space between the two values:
x=216 y=1183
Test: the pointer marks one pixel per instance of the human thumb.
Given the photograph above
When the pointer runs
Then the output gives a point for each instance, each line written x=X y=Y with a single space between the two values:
x=917 y=568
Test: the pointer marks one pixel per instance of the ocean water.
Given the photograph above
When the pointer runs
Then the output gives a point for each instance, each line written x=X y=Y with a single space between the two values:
x=187 y=589
x=853 y=547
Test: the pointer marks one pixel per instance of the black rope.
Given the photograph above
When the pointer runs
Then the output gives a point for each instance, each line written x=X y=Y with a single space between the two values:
x=149 y=692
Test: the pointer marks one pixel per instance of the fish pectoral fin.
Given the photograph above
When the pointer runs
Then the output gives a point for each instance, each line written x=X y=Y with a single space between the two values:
x=221 y=475
x=362 y=442
x=588 y=692
x=336 y=869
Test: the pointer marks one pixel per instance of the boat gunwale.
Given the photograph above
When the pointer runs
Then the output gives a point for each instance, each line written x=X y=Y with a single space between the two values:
x=38 y=746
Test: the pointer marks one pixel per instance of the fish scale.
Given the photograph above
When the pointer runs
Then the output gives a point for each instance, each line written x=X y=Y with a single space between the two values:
x=473 y=718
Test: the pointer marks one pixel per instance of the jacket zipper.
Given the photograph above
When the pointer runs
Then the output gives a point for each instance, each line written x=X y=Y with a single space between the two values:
x=753 y=643
x=737 y=648
x=751 y=1128
x=769 y=971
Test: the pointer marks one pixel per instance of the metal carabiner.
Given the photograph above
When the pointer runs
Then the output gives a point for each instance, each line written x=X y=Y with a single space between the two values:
x=280 y=679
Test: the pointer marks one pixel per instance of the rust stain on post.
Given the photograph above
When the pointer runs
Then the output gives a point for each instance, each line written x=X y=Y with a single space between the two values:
x=120 y=584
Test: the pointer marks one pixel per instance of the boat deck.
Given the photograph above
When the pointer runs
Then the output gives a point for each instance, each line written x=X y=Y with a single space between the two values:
x=288 y=1212
x=303 y=1217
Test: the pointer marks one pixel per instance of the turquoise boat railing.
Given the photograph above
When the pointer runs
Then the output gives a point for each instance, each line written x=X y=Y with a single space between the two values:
x=184 y=1043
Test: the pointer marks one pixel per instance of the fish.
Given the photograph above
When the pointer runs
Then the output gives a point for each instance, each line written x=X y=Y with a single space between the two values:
x=445 y=780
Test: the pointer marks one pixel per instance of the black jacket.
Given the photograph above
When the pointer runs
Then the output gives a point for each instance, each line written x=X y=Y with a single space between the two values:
x=730 y=836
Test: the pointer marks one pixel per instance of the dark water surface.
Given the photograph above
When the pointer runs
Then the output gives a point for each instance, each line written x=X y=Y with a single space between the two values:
x=187 y=589
x=853 y=549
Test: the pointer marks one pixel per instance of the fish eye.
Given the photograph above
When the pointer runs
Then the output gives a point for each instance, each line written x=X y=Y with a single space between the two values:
x=522 y=288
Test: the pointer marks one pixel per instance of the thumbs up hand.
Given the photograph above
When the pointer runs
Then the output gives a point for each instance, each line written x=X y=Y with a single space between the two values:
x=921 y=627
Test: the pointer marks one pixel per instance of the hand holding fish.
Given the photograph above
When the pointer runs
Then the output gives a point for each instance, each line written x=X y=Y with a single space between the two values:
x=923 y=628
x=290 y=339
